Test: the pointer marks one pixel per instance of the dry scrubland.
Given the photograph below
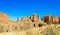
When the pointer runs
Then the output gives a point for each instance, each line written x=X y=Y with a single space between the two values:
x=30 y=25
x=45 y=30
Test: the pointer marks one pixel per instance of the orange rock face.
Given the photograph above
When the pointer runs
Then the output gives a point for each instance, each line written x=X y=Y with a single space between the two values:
x=3 y=18
x=59 y=20
x=50 y=19
x=36 y=21
x=45 y=18
x=34 y=18
x=55 y=20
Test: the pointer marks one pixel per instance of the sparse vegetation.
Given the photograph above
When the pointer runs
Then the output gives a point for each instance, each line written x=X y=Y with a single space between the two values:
x=28 y=25
x=54 y=30
x=1 y=28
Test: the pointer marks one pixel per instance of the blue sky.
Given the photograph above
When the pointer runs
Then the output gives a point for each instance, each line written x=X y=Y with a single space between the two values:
x=15 y=8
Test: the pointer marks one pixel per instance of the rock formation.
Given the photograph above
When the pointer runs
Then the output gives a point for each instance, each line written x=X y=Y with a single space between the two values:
x=36 y=21
x=50 y=19
x=59 y=20
x=26 y=22
x=3 y=18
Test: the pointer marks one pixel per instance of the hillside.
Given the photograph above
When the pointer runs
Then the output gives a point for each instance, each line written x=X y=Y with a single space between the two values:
x=51 y=30
x=30 y=25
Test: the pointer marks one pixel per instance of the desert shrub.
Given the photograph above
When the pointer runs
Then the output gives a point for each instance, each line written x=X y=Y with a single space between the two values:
x=57 y=30
x=1 y=28
x=28 y=25
x=33 y=32
x=48 y=32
